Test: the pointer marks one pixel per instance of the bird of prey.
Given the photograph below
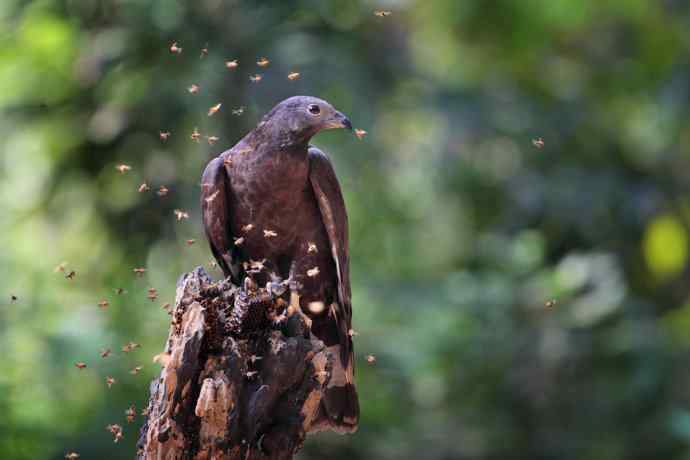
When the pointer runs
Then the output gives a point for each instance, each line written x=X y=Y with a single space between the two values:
x=272 y=205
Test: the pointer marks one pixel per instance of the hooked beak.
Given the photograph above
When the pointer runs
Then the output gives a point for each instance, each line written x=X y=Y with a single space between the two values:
x=338 y=121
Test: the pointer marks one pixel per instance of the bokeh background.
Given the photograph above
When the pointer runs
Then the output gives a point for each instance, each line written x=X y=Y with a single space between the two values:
x=462 y=230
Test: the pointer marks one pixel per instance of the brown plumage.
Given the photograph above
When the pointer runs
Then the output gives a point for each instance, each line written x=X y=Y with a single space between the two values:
x=280 y=197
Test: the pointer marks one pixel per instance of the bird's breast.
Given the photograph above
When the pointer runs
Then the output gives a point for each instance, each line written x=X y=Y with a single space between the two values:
x=272 y=195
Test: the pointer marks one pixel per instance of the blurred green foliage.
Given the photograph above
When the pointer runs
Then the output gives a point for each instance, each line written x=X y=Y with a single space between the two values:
x=461 y=229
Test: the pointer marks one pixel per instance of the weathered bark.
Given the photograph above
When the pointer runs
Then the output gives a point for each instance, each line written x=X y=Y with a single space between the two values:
x=241 y=378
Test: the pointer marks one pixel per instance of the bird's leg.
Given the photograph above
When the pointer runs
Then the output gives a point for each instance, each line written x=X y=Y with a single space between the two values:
x=294 y=306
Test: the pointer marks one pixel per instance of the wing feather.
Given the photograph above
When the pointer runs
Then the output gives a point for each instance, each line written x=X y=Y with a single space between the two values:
x=334 y=217
x=340 y=404
x=216 y=215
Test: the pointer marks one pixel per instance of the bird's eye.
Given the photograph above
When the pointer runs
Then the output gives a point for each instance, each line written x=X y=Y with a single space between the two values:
x=314 y=109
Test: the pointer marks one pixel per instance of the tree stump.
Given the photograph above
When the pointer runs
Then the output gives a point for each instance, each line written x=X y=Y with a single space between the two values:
x=241 y=378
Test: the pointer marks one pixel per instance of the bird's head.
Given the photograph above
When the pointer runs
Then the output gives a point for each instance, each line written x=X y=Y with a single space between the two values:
x=297 y=119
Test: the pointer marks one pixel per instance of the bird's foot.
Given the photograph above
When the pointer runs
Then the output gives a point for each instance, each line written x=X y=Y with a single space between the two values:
x=294 y=307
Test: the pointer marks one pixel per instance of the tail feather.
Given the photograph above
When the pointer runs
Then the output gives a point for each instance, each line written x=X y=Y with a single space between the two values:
x=339 y=407
x=342 y=408
x=340 y=404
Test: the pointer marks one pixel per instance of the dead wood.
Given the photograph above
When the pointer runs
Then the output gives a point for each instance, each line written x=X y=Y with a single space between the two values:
x=241 y=379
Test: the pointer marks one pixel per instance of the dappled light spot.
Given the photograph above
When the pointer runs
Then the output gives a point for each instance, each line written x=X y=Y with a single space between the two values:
x=665 y=247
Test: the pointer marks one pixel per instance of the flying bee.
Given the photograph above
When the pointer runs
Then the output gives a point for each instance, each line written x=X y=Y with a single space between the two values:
x=103 y=304
x=382 y=13
x=175 y=49
x=190 y=242
x=110 y=381
x=164 y=135
x=71 y=275
x=211 y=139
x=360 y=133
x=60 y=267
x=72 y=456
x=123 y=168
x=139 y=271
x=213 y=110
x=105 y=352
x=247 y=228
x=144 y=188
x=262 y=62
x=232 y=64
x=204 y=51
x=269 y=234
x=180 y=214
x=255 y=78
x=550 y=303
x=136 y=370
x=238 y=111
x=312 y=272
x=195 y=135
x=371 y=359
x=114 y=429
x=311 y=247
x=80 y=365
x=130 y=346
x=293 y=75
x=162 y=190
x=131 y=413
x=193 y=89
x=538 y=142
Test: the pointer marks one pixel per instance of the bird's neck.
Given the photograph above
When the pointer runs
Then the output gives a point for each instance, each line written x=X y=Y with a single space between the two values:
x=281 y=163
x=276 y=135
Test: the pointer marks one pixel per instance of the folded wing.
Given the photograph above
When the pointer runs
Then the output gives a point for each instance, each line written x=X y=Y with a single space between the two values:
x=216 y=216
x=341 y=403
